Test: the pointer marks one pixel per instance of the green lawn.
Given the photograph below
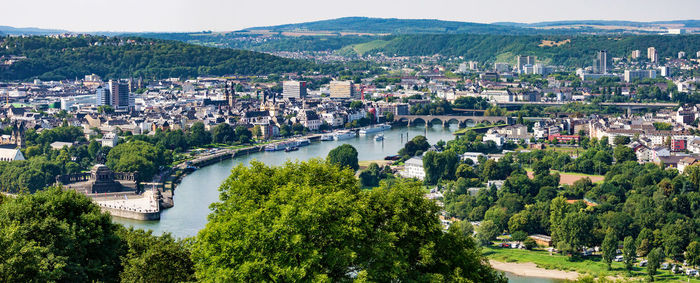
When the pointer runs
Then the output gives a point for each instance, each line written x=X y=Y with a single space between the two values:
x=593 y=265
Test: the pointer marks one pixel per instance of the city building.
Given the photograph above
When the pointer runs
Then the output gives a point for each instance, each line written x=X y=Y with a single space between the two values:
x=102 y=96
x=119 y=95
x=652 y=55
x=600 y=64
x=413 y=168
x=341 y=89
x=501 y=67
x=525 y=60
x=681 y=55
x=636 y=54
x=631 y=75
x=294 y=89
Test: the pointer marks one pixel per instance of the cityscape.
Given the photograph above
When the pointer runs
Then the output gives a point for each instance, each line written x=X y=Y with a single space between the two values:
x=353 y=149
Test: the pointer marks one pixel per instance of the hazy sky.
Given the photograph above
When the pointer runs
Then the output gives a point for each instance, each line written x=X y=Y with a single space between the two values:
x=217 y=15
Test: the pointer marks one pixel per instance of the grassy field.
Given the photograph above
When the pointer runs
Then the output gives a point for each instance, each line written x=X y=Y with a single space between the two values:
x=363 y=48
x=593 y=265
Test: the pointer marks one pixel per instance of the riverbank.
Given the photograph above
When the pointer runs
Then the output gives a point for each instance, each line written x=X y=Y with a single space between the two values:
x=530 y=269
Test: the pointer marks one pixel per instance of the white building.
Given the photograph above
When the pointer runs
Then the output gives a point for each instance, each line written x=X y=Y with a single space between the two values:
x=413 y=168
x=110 y=139
x=495 y=137
x=7 y=154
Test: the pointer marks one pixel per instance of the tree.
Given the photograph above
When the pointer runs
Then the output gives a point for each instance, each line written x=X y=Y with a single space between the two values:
x=344 y=156
x=609 y=246
x=629 y=252
x=518 y=236
x=464 y=227
x=417 y=144
x=310 y=221
x=623 y=153
x=439 y=166
x=244 y=135
x=197 y=135
x=530 y=243
x=574 y=231
x=370 y=177
x=656 y=256
x=487 y=232
x=621 y=140
x=154 y=258
x=137 y=156
x=692 y=253
x=223 y=133
x=57 y=235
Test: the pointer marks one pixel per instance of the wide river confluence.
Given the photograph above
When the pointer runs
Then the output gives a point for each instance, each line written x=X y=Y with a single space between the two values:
x=201 y=188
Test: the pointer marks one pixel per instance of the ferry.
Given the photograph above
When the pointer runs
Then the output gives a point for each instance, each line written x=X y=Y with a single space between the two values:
x=302 y=142
x=327 y=137
x=293 y=148
x=344 y=135
x=379 y=137
x=374 y=129
x=287 y=144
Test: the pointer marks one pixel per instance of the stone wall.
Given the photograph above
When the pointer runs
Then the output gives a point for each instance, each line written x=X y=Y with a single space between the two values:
x=132 y=214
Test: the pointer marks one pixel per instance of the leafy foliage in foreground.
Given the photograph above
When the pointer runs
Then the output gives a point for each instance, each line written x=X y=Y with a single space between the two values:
x=311 y=221
x=61 y=236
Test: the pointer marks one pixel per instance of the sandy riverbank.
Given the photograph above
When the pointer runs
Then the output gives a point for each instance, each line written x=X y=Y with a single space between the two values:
x=530 y=269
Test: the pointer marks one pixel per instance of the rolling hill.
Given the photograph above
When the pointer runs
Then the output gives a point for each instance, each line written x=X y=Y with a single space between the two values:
x=113 y=57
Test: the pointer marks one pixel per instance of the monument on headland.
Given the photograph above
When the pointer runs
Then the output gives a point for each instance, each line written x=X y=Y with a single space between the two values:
x=115 y=192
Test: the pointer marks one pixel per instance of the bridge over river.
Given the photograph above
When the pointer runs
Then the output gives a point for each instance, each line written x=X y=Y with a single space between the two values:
x=447 y=119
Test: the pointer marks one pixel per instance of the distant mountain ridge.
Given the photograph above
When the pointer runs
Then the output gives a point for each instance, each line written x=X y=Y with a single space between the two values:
x=29 y=31
x=394 y=26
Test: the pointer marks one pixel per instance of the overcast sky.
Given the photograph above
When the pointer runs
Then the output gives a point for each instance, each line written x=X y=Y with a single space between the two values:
x=217 y=15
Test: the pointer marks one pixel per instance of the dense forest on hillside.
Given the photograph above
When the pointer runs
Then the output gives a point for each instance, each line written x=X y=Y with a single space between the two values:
x=399 y=26
x=573 y=51
x=109 y=57
x=577 y=53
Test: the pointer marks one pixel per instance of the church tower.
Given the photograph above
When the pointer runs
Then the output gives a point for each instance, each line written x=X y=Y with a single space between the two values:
x=18 y=134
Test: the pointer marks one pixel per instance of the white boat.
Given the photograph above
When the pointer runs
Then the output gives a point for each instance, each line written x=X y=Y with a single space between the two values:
x=302 y=142
x=379 y=137
x=327 y=137
x=343 y=135
x=374 y=129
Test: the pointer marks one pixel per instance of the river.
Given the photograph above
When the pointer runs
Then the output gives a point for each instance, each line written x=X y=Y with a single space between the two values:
x=200 y=189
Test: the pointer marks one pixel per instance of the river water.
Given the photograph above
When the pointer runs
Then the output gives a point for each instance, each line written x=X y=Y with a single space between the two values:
x=200 y=189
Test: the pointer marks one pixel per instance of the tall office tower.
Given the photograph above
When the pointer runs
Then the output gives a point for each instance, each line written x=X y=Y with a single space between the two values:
x=294 y=89
x=636 y=54
x=102 y=96
x=600 y=64
x=525 y=60
x=652 y=55
x=119 y=93
x=341 y=89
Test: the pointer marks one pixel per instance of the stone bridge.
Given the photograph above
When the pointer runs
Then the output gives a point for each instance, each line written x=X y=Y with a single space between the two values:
x=447 y=119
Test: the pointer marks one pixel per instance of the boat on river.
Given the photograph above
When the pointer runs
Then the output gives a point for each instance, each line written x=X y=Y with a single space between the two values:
x=375 y=129
x=287 y=144
x=327 y=137
x=379 y=137
x=290 y=149
x=343 y=135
